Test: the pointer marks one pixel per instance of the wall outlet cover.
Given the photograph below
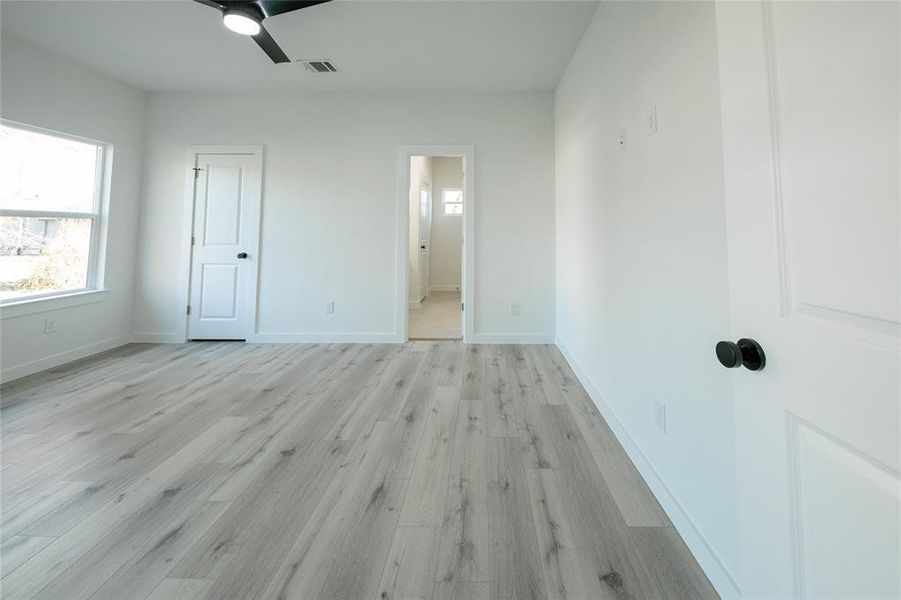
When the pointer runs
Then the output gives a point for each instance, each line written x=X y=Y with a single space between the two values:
x=330 y=307
x=652 y=120
x=49 y=325
x=514 y=308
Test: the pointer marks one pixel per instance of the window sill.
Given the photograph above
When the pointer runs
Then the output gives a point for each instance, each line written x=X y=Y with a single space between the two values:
x=30 y=306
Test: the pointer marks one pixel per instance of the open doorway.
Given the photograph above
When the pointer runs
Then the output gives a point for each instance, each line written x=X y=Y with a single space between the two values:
x=435 y=280
x=424 y=212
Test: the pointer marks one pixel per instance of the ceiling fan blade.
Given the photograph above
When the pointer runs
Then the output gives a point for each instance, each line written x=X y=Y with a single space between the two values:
x=211 y=4
x=223 y=5
x=271 y=8
x=265 y=41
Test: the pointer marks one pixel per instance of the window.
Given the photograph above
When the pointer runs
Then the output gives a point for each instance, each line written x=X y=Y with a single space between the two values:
x=50 y=197
x=453 y=202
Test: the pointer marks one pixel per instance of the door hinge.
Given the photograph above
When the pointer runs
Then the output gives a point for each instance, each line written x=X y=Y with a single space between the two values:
x=197 y=171
x=193 y=240
x=462 y=306
x=188 y=311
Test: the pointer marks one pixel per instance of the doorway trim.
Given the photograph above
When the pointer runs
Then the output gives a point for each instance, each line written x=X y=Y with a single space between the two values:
x=402 y=259
x=256 y=152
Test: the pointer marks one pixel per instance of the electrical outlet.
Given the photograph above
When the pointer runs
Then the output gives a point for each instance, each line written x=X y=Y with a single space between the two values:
x=330 y=307
x=621 y=139
x=652 y=120
x=514 y=309
x=49 y=325
x=660 y=416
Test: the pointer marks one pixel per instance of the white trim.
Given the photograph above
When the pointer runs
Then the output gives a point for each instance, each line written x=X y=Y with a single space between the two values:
x=51 y=132
x=48 y=214
x=98 y=216
x=47 y=303
x=722 y=579
x=101 y=200
x=414 y=303
x=512 y=338
x=349 y=338
x=402 y=261
x=146 y=337
x=444 y=288
x=188 y=230
x=325 y=337
x=49 y=362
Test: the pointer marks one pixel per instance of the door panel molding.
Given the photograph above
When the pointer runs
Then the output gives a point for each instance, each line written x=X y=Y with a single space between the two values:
x=236 y=217
x=778 y=167
x=225 y=272
x=879 y=332
x=805 y=440
x=844 y=323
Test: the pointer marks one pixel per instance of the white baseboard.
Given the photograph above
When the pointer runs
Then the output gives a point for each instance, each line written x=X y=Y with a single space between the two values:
x=56 y=360
x=390 y=338
x=511 y=338
x=444 y=288
x=720 y=576
x=145 y=337
x=414 y=303
x=325 y=338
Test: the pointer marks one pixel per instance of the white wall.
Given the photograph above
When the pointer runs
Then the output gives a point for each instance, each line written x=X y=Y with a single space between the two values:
x=44 y=90
x=420 y=178
x=642 y=292
x=330 y=206
x=446 y=255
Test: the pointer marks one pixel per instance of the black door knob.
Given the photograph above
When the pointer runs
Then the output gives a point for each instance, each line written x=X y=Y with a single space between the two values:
x=729 y=354
x=746 y=352
x=242 y=255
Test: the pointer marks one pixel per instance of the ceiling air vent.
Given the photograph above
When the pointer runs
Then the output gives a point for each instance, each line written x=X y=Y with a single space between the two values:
x=322 y=65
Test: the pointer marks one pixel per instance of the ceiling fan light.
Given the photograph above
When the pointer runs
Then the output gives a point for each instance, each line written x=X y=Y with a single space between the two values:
x=241 y=22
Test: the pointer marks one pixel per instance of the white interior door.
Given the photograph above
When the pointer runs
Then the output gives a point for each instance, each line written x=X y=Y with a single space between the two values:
x=810 y=128
x=425 y=240
x=224 y=246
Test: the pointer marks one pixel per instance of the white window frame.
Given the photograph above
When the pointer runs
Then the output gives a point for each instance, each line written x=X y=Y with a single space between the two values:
x=444 y=202
x=93 y=282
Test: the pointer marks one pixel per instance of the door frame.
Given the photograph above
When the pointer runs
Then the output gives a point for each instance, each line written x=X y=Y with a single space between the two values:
x=425 y=187
x=256 y=156
x=402 y=258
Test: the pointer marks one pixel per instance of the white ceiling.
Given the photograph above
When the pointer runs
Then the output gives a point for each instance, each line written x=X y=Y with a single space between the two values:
x=179 y=45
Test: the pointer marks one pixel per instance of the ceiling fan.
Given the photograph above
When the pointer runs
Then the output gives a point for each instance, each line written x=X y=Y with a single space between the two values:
x=246 y=17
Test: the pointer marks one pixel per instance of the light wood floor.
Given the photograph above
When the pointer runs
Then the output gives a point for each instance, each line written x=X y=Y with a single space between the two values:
x=436 y=318
x=224 y=470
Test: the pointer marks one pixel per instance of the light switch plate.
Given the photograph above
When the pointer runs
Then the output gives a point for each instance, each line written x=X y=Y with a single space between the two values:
x=660 y=416
x=621 y=139
x=652 y=120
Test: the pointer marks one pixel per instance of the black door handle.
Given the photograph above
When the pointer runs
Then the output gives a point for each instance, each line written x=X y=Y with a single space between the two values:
x=242 y=255
x=746 y=353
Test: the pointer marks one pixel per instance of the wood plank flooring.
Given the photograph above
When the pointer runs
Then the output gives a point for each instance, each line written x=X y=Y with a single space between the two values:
x=431 y=470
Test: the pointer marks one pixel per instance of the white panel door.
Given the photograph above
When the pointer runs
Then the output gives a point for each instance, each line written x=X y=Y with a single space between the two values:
x=810 y=129
x=225 y=241
x=425 y=240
